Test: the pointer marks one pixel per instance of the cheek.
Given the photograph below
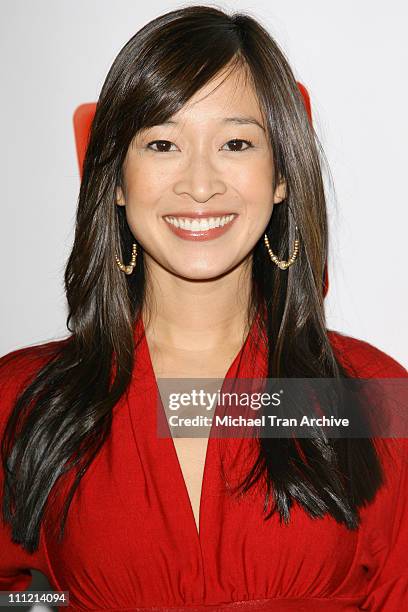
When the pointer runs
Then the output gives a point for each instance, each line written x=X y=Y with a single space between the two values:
x=254 y=180
x=255 y=187
x=144 y=192
x=143 y=185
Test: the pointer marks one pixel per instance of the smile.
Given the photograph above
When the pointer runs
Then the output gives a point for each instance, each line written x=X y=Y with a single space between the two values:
x=187 y=223
x=200 y=229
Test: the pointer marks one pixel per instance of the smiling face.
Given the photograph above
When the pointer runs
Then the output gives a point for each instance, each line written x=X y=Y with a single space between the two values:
x=212 y=159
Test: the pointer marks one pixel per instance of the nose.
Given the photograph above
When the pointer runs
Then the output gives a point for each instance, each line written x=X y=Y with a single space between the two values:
x=199 y=179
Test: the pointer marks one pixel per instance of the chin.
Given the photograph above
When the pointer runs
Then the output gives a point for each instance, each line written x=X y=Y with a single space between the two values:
x=201 y=273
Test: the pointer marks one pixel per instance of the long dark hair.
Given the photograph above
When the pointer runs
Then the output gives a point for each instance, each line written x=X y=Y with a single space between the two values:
x=62 y=417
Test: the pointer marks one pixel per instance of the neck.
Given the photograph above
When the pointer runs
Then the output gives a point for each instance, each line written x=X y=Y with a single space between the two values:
x=194 y=315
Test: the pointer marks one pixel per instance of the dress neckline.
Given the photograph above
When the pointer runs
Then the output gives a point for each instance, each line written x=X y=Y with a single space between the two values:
x=148 y=382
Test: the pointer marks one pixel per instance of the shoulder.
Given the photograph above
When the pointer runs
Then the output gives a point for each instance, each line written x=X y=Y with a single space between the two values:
x=363 y=359
x=21 y=363
x=19 y=367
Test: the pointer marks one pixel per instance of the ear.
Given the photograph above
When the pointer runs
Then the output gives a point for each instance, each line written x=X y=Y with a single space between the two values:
x=120 y=200
x=280 y=191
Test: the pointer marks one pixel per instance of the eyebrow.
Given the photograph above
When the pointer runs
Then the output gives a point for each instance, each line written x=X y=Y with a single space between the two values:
x=237 y=120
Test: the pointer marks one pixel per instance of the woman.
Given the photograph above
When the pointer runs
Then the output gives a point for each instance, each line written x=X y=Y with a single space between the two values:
x=199 y=118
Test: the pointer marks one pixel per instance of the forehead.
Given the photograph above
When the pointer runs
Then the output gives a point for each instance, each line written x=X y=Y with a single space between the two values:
x=226 y=95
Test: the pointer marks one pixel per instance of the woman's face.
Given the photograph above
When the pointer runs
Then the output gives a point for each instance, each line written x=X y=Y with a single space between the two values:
x=212 y=160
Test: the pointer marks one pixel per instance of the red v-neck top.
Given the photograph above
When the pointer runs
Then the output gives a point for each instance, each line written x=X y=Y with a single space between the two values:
x=131 y=541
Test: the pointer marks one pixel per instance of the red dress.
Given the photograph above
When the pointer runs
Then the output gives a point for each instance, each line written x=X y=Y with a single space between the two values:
x=131 y=539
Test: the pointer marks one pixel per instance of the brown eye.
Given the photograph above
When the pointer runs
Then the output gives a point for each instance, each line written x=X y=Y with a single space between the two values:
x=162 y=145
x=237 y=141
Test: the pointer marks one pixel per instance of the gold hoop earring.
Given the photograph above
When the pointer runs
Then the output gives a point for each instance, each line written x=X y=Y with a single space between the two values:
x=281 y=263
x=129 y=268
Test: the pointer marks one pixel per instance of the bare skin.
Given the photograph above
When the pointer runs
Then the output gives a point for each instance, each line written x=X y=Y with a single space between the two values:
x=200 y=290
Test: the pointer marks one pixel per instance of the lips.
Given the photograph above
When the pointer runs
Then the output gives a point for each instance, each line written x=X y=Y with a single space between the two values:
x=198 y=234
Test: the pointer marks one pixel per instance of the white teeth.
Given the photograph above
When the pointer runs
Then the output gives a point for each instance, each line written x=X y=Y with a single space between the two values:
x=187 y=223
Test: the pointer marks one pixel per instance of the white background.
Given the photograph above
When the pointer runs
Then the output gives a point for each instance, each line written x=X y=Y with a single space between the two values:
x=352 y=57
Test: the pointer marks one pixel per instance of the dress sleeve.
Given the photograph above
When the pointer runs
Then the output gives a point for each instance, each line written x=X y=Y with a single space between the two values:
x=387 y=536
x=15 y=562
x=388 y=586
